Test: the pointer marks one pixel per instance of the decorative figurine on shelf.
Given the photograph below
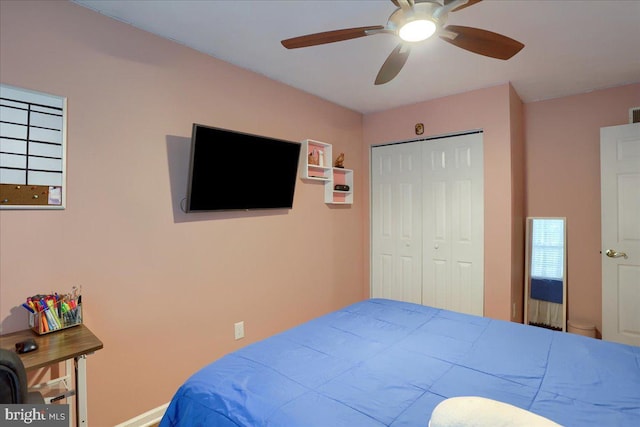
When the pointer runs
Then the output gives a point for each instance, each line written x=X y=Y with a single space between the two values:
x=314 y=157
x=339 y=161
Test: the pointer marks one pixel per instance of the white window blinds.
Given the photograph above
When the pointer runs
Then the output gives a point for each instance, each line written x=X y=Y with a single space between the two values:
x=547 y=249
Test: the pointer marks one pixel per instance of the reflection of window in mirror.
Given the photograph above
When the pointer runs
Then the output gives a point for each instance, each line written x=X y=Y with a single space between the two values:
x=547 y=248
x=545 y=282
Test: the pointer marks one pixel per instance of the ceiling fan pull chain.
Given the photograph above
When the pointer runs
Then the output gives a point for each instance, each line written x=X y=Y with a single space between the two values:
x=404 y=4
x=443 y=10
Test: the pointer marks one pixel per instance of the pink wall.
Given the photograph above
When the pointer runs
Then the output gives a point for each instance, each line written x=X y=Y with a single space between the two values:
x=518 y=194
x=487 y=109
x=162 y=289
x=563 y=179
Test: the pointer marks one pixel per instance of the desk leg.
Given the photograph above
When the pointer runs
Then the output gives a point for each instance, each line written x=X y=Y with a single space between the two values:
x=69 y=371
x=81 y=391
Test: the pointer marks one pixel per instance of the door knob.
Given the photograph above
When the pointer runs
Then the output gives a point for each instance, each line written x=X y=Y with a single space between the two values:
x=613 y=254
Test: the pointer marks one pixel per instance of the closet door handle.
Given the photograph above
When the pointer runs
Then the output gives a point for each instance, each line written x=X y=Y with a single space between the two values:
x=613 y=254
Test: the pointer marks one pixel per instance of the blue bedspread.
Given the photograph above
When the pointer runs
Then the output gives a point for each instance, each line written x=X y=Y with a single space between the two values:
x=389 y=363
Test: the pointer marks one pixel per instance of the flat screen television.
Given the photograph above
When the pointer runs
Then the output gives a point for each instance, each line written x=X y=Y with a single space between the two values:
x=232 y=170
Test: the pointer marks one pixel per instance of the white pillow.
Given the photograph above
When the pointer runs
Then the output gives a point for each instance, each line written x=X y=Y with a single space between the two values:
x=474 y=411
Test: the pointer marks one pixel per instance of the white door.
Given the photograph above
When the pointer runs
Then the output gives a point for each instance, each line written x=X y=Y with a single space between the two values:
x=453 y=224
x=620 y=193
x=396 y=235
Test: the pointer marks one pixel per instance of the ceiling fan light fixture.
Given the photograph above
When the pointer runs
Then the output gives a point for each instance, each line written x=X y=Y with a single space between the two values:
x=417 y=30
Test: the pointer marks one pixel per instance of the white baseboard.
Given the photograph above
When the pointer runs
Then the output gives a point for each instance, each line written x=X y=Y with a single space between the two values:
x=148 y=418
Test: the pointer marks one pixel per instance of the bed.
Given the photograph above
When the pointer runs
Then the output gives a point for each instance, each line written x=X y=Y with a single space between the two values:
x=389 y=363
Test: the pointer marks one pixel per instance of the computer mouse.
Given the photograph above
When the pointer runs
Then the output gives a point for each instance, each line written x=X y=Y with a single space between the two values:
x=26 y=346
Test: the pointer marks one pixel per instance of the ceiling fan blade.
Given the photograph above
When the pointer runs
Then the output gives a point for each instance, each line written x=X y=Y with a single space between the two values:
x=394 y=63
x=328 y=37
x=469 y=3
x=482 y=42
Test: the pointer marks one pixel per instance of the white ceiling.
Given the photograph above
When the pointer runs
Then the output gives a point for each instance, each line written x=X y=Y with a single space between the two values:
x=570 y=46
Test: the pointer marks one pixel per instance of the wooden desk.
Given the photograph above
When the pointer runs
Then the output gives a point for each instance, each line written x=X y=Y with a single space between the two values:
x=74 y=343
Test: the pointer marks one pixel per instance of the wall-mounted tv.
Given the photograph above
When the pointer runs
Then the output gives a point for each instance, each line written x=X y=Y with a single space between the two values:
x=232 y=170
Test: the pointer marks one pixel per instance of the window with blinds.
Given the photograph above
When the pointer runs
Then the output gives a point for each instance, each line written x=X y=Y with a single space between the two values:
x=547 y=251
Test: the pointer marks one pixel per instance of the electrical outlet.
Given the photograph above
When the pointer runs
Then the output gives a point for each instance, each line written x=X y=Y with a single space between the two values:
x=238 y=330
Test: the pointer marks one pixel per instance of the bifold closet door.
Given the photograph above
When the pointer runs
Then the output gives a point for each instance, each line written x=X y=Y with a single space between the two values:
x=396 y=222
x=453 y=224
x=427 y=222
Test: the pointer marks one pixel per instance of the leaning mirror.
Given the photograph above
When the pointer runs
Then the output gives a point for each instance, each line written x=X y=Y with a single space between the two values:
x=545 y=273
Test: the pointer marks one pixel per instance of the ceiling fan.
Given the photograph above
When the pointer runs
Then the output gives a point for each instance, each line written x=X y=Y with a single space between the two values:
x=414 y=21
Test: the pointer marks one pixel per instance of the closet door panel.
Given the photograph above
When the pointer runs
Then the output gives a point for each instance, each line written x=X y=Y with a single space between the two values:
x=396 y=233
x=453 y=221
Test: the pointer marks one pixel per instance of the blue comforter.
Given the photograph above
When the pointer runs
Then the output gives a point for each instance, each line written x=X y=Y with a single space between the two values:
x=389 y=363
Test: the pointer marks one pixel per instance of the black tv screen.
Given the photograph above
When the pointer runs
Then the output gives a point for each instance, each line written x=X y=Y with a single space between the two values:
x=232 y=170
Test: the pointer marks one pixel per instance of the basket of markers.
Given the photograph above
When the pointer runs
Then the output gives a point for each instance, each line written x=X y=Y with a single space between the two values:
x=54 y=312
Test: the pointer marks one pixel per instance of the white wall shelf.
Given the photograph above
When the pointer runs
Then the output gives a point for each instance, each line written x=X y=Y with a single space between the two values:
x=316 y=157
x=340 y=176
x=317 y=161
